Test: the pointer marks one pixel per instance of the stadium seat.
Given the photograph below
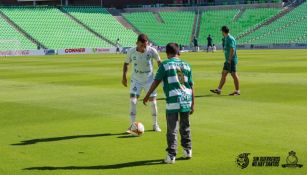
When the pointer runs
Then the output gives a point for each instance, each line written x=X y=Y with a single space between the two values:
x=212 y=21
x=102 y=22
x=281 y=30
x=11 y=39
x=52 y=27
x=175 y=26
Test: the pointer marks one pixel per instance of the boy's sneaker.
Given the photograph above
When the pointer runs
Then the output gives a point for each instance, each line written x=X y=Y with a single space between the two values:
x=216 y=91
x=169 y=159
x=156 y=128
x=187 y=154
x=235 y=93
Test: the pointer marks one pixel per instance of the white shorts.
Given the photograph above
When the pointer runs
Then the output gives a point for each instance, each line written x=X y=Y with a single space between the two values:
x=136 y=87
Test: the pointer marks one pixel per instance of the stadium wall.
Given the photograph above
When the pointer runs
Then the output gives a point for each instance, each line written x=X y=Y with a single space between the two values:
x=105 y=3
x=203 y=8
x=67 y=51
x=80 y=51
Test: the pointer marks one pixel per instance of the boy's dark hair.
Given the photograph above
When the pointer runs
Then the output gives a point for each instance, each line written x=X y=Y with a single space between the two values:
x=142 y=38
x=225 y=29
x=172 y=49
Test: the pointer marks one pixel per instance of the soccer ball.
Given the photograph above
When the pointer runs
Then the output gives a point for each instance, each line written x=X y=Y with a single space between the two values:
x=137 y=129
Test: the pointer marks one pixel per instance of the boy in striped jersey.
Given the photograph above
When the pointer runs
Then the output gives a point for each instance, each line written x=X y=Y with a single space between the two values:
x=178 y=88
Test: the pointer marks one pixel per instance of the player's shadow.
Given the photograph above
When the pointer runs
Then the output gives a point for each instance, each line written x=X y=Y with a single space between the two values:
x=211 y=95
x=54 y=139
x=126 y=136
x=102 y=167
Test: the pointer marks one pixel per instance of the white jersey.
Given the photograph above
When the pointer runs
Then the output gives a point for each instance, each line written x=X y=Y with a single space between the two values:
x=142 y=63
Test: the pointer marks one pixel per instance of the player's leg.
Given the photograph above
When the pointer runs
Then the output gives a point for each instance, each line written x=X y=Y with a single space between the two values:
x=154 y=114
x=133 y=103
x=235 y=80
x=171 y=135
x=153 y=106
x=135 y=91
x=185 y=133
x=223 y=79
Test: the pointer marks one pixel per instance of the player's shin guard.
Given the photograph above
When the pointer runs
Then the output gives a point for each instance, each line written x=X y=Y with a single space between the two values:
x=154 y=112
x=133 y=102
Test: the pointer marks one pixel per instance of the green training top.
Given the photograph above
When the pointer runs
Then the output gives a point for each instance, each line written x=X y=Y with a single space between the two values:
x=230 y=42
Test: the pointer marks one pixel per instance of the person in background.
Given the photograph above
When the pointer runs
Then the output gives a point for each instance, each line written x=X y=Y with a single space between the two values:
x=230 y=64
x=213 y=48
x=117 y=45
x=209 y=43
x=195 y=43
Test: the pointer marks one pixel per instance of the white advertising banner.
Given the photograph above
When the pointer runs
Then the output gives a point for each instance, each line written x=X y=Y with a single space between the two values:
x=104 y=50
x=21 y=53
x=75 y=51
x=86 y=51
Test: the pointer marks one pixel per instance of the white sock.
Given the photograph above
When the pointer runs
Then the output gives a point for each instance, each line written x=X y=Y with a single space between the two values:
x=133 y=102
x=154 y=112
x=218 y=89
x=237 y=91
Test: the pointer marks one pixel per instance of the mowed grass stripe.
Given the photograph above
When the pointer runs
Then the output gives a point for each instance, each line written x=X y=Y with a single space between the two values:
x=68 y=113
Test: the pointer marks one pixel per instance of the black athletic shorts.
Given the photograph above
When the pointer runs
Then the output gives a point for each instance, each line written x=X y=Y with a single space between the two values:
x=230 y=68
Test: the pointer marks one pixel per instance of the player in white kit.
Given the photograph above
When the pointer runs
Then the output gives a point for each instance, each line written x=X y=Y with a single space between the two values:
x=141 y=57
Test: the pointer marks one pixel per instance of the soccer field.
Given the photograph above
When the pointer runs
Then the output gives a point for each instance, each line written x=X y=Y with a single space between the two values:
x=63 y=115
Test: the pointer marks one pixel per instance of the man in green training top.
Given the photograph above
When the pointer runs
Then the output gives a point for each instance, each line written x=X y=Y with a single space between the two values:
x=178 y=88
x=231 y=61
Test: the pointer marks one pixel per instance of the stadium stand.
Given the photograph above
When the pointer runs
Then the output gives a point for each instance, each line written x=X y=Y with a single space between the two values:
x=282 y=30
x=11 y=39
x=175 y=26
x=79 y=27
x=101 y=21
x=52 y=28
x=213 y=20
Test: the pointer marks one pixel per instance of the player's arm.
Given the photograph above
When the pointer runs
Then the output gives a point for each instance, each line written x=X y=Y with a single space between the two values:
x=232 y=51
x=156 y=57
x=159 y=62
x=153 y=87
x=159 y=77
x=190 y=81
x=231 y=55
x=125 y=70
x=192 y=106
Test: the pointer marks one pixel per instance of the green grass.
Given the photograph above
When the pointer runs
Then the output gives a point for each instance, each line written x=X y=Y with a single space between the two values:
x=74 y=108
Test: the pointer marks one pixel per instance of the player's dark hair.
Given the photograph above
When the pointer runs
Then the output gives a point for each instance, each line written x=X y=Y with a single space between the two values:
x=225 y=29
x=172 y=49
x=142 y=38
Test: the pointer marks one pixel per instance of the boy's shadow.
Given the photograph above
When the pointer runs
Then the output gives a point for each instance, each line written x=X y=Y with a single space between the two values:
x=102 y=167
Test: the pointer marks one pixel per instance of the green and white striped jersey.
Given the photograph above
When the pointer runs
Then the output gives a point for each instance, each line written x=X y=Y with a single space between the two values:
x=177 y=84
